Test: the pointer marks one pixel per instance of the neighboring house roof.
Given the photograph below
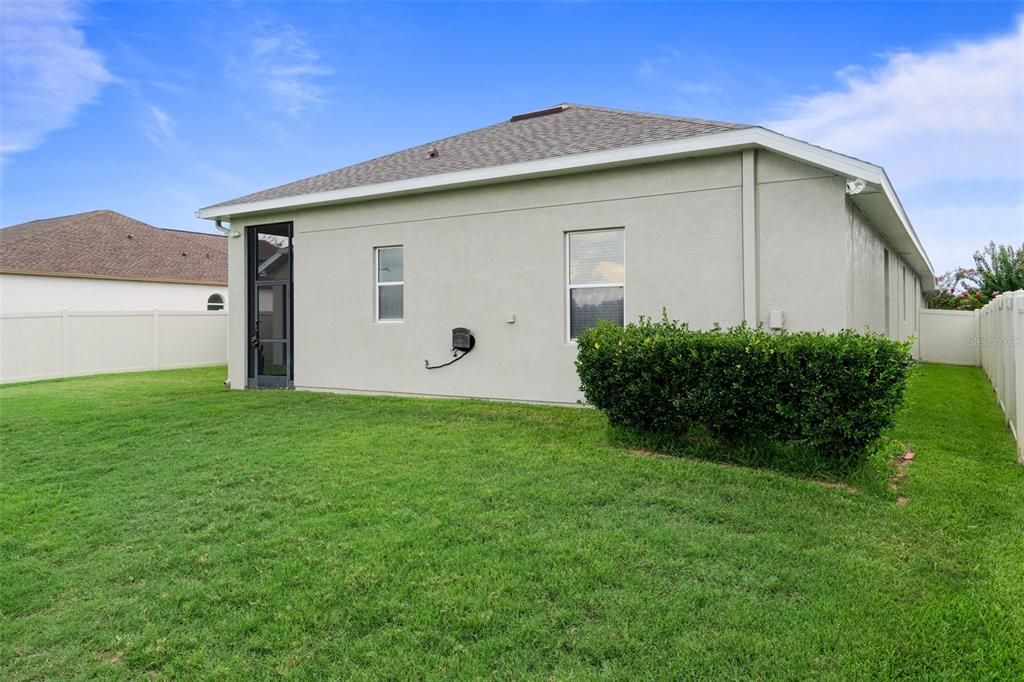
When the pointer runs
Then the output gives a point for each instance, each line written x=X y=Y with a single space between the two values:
x=576 y=129
x=108 y=245
x=573 y=138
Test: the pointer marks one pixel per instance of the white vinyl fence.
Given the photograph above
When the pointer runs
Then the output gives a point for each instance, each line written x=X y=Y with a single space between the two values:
x=1001 y=338
x=66 y=343
x=950 y=337
x=992 y=338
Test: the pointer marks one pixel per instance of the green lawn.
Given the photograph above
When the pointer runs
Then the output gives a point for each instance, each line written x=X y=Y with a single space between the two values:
x=158 y=525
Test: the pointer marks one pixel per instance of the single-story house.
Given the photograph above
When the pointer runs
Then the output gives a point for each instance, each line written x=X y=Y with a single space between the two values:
x=105 y=261
x=526 y=232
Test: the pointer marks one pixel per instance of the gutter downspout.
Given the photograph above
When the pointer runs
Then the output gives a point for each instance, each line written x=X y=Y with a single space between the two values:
x=230 y=234
x=226 y=231
x=751 y=299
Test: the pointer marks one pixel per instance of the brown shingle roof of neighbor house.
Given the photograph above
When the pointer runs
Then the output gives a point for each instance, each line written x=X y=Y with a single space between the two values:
x=108 y=245
x=548 y=133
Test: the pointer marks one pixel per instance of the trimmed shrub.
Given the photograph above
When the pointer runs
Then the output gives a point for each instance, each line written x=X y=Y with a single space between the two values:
x=833 y=392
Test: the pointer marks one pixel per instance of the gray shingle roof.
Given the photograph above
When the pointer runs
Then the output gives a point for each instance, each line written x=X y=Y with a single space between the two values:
x=576 y=129
x=108 y=244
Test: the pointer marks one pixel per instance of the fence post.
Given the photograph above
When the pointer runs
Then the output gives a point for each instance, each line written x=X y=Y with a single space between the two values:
x=156 y=339
x=1017 y=353
x=1005 y=334
x=65 y=343
x=978 y=344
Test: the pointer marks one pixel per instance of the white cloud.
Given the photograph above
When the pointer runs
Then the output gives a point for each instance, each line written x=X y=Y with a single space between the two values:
x=279 y=63
x=951 y=242
x=48 y=72
x=947 y=117
x=666 y=65
x=220 y=176
x=665 y=57
x=698 y=88
x=159 y=128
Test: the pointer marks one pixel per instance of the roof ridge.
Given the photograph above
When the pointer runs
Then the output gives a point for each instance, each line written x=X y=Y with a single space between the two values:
x=64 y=217
x=572 y=105
x=431 y=143
x=108 y=244
x=660 y=117
x=72 y=216
x=548 y=133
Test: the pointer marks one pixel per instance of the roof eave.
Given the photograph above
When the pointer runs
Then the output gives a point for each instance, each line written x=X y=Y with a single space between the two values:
x=119 y=278
x=492 y=174
x=893 y=223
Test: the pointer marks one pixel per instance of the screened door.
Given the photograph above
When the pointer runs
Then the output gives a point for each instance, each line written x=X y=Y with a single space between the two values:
x=270 y=306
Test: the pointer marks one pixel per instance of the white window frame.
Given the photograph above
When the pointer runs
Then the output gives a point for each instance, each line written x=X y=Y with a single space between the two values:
x=904 y=271
x=569 y=286
x=219 y=302
x=378 y=284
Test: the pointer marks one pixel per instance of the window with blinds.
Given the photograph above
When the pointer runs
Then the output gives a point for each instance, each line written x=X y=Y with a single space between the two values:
x=390 y=284
x=596 y=279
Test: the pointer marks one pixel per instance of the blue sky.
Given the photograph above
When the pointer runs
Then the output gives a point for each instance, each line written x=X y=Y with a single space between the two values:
x=154 y=109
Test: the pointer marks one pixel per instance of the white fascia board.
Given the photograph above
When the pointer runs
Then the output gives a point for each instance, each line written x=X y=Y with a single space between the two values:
x=716 y=143
x=897 y=206
x=892 y=220
x=837 y=163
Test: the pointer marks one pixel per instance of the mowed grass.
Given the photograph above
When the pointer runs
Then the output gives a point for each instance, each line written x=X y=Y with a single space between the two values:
x=157 y=525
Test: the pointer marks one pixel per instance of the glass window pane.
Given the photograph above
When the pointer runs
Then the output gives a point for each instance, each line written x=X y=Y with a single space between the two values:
x=390 y=305
x=273 y=258
x=271 y=310
x=389 y=264
x=596 y=257
x=272 y=359
x=587 y=306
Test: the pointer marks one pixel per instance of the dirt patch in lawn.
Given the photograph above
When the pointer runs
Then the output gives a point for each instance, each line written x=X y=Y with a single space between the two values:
x=901 y=463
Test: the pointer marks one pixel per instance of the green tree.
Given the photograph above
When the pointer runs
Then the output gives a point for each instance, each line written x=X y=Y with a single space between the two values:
x=997 y=268
x=953 y=291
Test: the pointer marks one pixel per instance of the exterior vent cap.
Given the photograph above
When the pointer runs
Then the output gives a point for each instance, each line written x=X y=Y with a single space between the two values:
x=540 y=112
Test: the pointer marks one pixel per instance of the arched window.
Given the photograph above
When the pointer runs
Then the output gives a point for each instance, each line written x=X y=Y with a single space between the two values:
x=215 y=302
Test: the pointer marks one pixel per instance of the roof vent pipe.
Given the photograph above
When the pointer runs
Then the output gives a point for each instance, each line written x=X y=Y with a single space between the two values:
x=540 y=112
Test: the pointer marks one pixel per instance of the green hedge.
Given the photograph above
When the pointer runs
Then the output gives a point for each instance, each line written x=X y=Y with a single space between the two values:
x=833 y=392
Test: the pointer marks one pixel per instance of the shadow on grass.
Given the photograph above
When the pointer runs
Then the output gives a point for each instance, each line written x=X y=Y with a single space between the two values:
x=871 y=473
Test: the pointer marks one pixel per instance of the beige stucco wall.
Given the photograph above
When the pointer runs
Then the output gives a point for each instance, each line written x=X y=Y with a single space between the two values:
x=477 y=255
x=39 y=294
x=868 y=253
x=802 y=244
